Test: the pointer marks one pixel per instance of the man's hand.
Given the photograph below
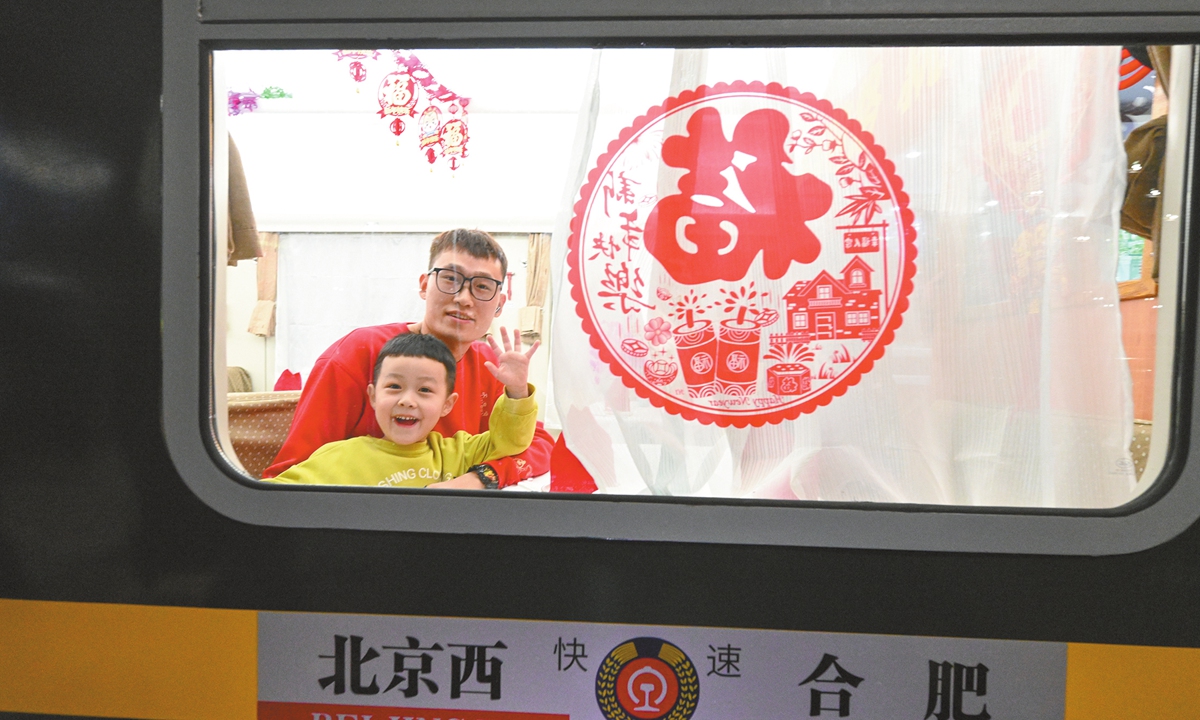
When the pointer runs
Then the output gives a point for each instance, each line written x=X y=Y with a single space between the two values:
x=512 y=365
x=470 y=481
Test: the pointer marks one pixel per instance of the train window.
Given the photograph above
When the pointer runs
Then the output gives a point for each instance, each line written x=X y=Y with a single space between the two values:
x=919 y=297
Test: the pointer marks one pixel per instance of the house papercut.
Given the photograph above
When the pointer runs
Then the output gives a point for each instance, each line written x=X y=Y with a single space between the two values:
x=831 y=308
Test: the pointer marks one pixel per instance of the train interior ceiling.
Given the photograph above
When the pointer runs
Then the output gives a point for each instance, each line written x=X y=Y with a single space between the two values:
x=1037 y=286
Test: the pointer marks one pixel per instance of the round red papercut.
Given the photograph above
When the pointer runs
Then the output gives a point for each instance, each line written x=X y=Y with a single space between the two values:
x=755 y=241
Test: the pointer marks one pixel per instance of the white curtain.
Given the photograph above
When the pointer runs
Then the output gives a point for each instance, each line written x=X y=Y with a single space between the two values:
x=331 y=283
x=1006 y=384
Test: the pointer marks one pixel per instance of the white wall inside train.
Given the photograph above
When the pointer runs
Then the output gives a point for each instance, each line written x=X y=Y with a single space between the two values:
x=324 y=160
x=321 y=298
x=243 y=349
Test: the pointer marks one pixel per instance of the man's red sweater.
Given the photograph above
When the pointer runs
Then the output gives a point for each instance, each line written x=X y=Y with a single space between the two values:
x=334 y=405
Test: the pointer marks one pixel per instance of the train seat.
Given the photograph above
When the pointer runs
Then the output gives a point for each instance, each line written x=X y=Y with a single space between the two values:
x=258 y=424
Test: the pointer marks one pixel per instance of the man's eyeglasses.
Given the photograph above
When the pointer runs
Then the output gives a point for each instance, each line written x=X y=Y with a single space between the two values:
x=483 y=288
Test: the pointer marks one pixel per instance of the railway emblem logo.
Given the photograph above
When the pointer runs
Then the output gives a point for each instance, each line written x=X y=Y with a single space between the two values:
x=647 y=679
x=742 y=254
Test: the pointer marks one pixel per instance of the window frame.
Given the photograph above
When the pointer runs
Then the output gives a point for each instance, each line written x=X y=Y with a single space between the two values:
x=1169 y=507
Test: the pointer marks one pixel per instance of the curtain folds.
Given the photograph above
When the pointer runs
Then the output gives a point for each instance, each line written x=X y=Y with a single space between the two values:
x=537 y=285
x=262 y=317
x=1006 y=384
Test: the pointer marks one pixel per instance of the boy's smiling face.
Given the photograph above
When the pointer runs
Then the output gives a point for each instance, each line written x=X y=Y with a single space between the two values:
x=409 y=398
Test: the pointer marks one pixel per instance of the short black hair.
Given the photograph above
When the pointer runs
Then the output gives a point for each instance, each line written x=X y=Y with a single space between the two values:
x=414 y=345
x=475 y=243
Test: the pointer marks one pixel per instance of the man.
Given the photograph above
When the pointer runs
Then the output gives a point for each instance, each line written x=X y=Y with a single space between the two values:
x=462 y=296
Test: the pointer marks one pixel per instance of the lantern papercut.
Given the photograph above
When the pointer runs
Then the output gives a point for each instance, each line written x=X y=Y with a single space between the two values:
x=454 y=141
x=358 y=71
x=410 y=90
x=397 y=95
x=430 y=132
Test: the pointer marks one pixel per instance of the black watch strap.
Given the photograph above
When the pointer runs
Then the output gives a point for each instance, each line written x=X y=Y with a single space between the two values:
x=487 y=476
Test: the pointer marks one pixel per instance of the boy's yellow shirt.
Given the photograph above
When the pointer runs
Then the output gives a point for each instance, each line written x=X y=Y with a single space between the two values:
x=379 y=462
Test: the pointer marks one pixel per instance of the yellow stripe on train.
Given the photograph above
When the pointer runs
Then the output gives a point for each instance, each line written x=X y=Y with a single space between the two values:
x=175 y=663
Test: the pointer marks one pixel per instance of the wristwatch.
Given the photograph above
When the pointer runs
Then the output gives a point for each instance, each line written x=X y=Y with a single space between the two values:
x=486 y=475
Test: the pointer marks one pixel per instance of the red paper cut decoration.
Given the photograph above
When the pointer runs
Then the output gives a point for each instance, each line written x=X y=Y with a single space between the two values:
x=410 y=90
x=454 y=138
x=430 y=135
x=450 y=109
x=704 y=233
x=397 y=95
x=358 y=71
x=634 y=347
x=770 y=276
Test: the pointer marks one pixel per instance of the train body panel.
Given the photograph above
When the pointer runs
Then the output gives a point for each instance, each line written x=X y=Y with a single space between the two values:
x=98 y=528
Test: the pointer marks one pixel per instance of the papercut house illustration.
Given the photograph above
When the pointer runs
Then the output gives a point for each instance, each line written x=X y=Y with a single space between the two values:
x=829 y=308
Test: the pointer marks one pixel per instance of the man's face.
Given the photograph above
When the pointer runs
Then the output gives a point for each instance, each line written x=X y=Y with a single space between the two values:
x=409 y=398
x=460 y=318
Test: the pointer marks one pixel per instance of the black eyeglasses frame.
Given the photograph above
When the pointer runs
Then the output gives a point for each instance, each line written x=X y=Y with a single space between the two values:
x=464 y=280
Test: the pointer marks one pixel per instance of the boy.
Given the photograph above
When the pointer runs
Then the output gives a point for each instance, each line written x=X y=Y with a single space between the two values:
x=413 y=388
x=462 y=294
